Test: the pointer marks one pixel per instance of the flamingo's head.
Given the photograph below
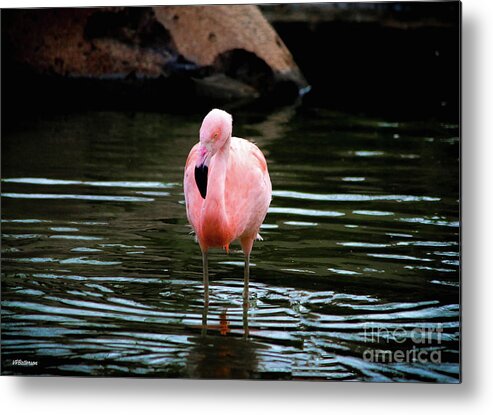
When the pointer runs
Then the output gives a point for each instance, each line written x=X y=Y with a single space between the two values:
x=215 y=131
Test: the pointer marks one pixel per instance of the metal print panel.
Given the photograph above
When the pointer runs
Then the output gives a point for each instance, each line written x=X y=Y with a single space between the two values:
x=142 y=237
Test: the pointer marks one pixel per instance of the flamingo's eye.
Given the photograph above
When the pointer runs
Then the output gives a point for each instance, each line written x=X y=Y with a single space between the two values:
x=214 y=137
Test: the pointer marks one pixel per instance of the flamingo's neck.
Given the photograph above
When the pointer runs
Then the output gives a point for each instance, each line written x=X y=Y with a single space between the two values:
x=215 y=226
x=217 y=174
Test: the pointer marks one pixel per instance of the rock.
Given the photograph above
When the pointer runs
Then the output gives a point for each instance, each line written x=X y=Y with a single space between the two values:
x=94 y=43
x=219 y=52
x=225 y=36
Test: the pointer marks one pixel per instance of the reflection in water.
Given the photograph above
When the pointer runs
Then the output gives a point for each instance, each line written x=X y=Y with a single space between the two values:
x=220 y=354
x=246 y=330
x=223 y=357
x=100 y=275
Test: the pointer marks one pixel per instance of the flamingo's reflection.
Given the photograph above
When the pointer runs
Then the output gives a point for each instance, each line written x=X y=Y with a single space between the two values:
x=220 y=351
x=224 y=324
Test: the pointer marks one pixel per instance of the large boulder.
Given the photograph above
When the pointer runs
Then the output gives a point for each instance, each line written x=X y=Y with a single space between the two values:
x=120 y=54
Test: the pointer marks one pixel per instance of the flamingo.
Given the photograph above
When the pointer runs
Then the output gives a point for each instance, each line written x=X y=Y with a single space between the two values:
x=227 y=191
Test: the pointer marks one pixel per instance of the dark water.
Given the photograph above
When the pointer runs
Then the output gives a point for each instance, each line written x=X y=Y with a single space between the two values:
x=100 y=275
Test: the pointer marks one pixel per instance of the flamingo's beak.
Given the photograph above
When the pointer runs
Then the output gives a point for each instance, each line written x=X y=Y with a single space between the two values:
x=201 y=171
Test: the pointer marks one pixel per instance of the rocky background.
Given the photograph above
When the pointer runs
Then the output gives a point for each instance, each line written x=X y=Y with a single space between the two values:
x=355 y=56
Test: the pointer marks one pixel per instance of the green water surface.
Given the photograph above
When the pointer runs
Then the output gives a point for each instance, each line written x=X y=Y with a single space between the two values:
x=101 y=276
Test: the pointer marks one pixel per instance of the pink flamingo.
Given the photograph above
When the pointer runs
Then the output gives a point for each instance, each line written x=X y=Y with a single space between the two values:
x=227 y=190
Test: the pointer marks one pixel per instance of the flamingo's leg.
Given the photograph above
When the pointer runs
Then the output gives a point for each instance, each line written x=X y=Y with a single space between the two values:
x=246 y=277
x=206 y=277
x=246 y=244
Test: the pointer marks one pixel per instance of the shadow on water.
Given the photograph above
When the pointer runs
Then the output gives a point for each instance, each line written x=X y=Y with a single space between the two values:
x=101 y=277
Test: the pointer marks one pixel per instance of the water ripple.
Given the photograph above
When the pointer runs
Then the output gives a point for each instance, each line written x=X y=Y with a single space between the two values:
x=98 y=198
x=126 y=184
x=305 y=212
x=352 y=197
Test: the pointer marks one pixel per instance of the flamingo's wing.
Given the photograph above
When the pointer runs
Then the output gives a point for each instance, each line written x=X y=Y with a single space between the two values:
x=261 y=163
x=265 y=190
x=248 y=186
